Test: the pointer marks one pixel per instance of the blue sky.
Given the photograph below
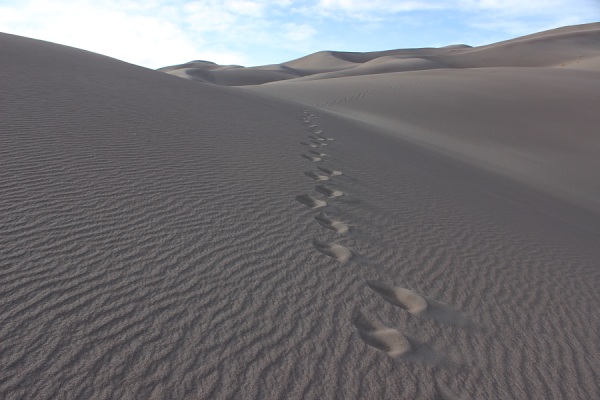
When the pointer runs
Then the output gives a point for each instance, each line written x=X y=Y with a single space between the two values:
x=156 y=33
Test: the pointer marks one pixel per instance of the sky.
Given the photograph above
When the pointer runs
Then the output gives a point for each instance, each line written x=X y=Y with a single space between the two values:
x=157 y=33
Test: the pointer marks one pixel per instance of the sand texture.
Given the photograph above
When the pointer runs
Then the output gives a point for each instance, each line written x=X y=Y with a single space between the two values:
x=407 y=224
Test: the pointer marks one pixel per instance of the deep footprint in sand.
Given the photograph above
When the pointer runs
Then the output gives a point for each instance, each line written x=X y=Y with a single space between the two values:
x=331 y=172
x=333 y=250
x=310 y=201
x=421 y=306
x=317 y=153
x=328 y=191
x=400 y=297
x=313 y=145
x=382 y=337
x=329 y=223
x=312 y=158
x=316 y=176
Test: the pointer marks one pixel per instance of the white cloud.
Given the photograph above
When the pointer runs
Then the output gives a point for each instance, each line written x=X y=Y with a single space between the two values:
x=156 y=33
x=516 y=17
x=377 y=9
x=389 y=6
x=514 y=6
x=246 y=8
x=152 y=33
x=366 y=10
x=105 y=30
x=208 y=17
x=298 y=32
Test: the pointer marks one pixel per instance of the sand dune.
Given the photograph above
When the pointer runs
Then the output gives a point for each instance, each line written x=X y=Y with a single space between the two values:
x=492 y=109
x=404 y=232
x=534 y=126
x=554 y=48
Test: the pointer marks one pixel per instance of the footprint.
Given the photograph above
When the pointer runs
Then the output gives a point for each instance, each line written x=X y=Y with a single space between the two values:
x=421 y=306
x=382 y=337
x=313 y=145
x=311 y=158
x=317 y=153
x=316 y=176
x=322 y=139
x=333 y=250
x=400 y=297
x=336 y=226
x=331 y=172
x=312 y=126
x=317 y=144
x=327 y=191
x=310 y=201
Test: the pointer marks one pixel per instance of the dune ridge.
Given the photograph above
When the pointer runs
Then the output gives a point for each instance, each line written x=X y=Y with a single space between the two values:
x=573 y=45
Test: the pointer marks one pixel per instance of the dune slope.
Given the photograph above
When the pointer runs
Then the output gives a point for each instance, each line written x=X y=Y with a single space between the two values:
x=163 y=239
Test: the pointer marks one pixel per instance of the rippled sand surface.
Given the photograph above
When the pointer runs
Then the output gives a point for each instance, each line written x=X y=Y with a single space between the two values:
x=422 y=234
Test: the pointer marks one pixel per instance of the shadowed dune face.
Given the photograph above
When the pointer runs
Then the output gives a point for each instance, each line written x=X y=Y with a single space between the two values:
x=161 y=239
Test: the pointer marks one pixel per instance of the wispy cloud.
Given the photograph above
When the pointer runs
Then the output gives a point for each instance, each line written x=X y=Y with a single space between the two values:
x=156 y=33
x=151 y=33
x=517 y=17
x=379 y=6
x=104 y=27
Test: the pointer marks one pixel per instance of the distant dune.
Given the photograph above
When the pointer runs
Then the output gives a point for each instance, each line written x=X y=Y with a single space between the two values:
x=406 y=224
x=573 y=46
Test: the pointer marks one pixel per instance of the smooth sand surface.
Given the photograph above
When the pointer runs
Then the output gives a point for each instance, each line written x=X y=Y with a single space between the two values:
x=403 y=231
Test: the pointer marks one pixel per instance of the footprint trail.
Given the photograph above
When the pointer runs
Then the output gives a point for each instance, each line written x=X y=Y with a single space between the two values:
x=373 y=332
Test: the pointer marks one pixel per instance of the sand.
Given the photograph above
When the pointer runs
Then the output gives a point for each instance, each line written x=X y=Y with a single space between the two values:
x=413 y=224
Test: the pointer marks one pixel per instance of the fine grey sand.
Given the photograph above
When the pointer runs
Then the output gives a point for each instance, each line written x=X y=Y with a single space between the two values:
x=168 y=238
